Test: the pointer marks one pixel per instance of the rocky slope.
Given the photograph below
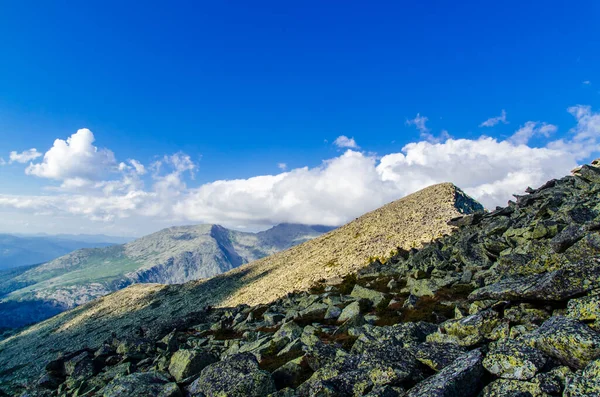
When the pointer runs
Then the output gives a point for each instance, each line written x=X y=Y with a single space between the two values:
x=507 y=305
x=158 y=308
x=173 y=255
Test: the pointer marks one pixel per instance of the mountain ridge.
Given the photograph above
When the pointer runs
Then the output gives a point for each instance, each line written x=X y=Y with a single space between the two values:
x=173 y=255
x=412 y=220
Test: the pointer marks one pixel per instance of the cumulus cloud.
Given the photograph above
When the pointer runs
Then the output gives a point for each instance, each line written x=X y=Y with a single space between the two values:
x=495 y=120
x=282 y=166
x=24 y=156
x=585 y=136
x=75 y=158
x=530 y=129
x=336 y=191
x=343 y=141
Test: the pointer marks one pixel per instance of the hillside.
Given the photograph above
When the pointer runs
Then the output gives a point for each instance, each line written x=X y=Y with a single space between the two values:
x=174 y=255
x=405 y=223
x=505 y=305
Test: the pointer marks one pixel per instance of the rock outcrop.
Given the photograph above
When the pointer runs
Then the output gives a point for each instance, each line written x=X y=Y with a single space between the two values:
x=507 y=304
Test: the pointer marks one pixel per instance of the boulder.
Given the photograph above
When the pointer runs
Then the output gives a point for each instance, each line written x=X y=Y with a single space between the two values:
x=288 y=332
x=511 y=359
x=460 y=379
x=584 y=383
x=80 y=366
x=236 y=376
x=142 y=384
x=375 y=297
x=437 y=356
x=511 y=387
x=188 y=362
x=351 y=314
x=557 y=285
x=571 y=342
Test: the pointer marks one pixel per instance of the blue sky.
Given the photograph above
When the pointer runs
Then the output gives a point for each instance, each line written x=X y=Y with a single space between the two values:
x=238 y=89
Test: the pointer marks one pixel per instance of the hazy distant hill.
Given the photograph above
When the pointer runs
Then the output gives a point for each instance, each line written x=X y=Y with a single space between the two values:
x=20 y=250
x=173 y=255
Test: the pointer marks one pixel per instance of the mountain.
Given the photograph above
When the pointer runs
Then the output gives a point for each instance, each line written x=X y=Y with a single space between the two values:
x=404 y=224
x=506 y=303
x=170 y=256
x=20 y=250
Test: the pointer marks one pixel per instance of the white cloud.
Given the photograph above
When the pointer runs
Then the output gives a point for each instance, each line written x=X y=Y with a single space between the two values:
x=585 y=135
x=139 y=167
x=74 y=158
x=587 y=82
x=343 y=141
x=530 y=129
x=282 y=166
x=24 y=156
x=495 y=120
x=335 y=192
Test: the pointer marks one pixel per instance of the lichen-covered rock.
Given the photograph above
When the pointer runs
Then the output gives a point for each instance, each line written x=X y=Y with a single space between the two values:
x=142 y=384
x=556 y=285
x=510 y=359
x=584 y=383
x=188 y=362
x=438 y=356
x=351 y=314
x=514 y=388
x=573 y=343
x=461 y=379
x=332 y=312
x=553 y=382
x=586 y=308
x=288 y=332
x=467 y=331
x=375 y=297
x=236 y=376
x=80 y=366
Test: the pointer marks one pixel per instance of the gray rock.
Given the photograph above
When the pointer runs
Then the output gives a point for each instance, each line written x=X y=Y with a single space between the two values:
x=461 y=379
x=511 y=359
x=351 y=314
x=142 y=384
x=514 y=388
x=189 y=362
x=375 y=297
x=332 y=312
x=573 y=343
x=438 y=356
x=237 y=376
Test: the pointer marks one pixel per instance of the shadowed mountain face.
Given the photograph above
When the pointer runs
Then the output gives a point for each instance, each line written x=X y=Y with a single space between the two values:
x=170 y=256
x=158 y=309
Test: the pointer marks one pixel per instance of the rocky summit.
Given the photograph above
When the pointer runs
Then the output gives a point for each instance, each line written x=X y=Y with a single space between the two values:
x=508 y=304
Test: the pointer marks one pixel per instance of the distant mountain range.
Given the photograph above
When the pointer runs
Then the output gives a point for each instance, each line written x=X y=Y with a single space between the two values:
x=170 y=256
x=19 y=250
